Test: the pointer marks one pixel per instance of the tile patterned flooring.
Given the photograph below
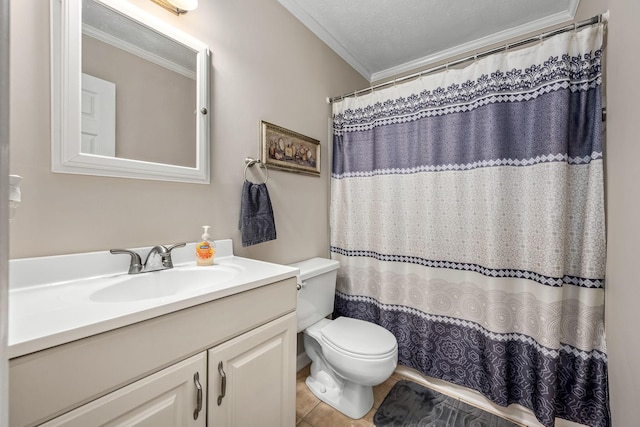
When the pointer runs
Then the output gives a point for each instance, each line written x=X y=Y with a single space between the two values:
x=311 y=412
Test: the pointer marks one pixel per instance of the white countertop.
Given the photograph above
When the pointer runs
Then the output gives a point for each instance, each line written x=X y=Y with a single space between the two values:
x=45 y=311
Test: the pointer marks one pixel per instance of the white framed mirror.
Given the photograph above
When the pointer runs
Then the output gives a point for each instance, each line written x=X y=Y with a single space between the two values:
x=129 y=94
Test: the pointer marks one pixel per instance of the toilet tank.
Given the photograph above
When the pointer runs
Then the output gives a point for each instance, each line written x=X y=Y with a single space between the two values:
x=317 y=291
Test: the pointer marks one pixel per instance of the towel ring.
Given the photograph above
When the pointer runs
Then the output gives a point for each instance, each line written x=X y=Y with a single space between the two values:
x=250 y=162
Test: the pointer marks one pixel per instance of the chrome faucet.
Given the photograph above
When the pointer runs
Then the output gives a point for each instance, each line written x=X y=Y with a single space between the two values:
x=136 y=266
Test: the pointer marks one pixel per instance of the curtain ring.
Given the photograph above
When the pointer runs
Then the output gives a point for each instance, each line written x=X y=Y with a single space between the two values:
x=251 y=162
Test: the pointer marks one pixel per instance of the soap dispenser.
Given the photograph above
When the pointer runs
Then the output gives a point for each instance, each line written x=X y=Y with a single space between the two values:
x=205 y=250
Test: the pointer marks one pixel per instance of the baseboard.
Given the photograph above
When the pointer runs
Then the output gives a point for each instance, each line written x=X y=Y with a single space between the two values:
x=302 y=361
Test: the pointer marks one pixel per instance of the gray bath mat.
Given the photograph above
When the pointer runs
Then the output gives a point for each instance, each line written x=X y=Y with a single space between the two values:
x=410 y=405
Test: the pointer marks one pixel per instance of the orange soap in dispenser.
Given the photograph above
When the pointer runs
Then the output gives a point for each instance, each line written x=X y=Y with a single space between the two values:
x=205 y=250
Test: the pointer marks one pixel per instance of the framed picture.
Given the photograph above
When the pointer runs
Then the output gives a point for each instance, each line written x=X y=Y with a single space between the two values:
x=283 y=149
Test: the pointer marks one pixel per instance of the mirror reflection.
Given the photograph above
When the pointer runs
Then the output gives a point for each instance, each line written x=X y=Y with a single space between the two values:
x=138 y=90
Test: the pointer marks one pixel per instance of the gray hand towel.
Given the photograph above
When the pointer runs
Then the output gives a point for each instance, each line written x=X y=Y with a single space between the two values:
x=256 y=215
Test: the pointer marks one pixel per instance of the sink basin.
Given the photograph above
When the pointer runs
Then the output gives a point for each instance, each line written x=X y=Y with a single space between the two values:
x=165 y=283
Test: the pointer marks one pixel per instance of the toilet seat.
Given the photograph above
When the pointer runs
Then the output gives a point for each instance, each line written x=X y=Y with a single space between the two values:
x=358 y=338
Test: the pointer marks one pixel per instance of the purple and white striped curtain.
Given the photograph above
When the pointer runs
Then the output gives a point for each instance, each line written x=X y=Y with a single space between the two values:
x=467 y=211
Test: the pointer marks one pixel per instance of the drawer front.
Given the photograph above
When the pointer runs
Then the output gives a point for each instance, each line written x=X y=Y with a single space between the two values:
x=168 y=398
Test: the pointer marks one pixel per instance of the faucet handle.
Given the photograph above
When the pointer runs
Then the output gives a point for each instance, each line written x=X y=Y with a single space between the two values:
x=177 y=245
x=135 y=266
x=166 y=259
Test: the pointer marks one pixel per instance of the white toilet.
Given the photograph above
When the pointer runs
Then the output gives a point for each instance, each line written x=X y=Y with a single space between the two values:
x=348 y=356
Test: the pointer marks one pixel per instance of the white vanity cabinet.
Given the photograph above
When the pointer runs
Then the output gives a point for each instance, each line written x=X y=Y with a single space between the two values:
x=145 y=370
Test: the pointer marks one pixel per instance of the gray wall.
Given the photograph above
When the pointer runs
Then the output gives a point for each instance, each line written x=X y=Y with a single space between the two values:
x=265 y=66
x=623 y=210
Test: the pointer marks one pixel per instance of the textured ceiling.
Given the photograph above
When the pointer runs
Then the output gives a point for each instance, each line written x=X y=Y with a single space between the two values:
x=382 y=38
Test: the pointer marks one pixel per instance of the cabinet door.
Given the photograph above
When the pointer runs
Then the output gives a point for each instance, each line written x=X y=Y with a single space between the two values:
x=252 y=378
x=168 y=398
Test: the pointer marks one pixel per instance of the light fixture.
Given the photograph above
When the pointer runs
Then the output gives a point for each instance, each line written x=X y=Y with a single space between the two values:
x=177 y=6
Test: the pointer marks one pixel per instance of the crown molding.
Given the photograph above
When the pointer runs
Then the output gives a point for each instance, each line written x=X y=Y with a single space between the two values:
x=317 y=29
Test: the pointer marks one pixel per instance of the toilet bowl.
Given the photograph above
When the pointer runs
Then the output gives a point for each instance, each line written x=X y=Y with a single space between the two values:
x=348 y=356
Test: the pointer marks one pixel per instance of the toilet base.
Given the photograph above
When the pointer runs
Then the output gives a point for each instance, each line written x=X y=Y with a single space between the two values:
x=353 y=400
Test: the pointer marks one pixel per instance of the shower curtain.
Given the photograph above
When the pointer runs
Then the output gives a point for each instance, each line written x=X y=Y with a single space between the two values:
x=467 y=212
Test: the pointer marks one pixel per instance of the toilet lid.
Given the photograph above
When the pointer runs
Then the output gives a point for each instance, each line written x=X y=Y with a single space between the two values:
x=359 y=337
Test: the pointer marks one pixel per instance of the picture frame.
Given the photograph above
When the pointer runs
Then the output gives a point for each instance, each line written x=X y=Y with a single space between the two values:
x=287 y=150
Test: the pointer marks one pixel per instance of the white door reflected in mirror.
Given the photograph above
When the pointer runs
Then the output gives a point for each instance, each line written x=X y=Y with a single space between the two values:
x=98 y=116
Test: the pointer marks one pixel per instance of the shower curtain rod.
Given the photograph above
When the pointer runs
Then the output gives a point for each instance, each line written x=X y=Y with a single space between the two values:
x=594 y=20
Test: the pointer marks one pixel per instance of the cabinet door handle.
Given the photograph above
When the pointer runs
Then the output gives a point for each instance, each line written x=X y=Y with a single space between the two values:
x=223 y=387
x=196 y=380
